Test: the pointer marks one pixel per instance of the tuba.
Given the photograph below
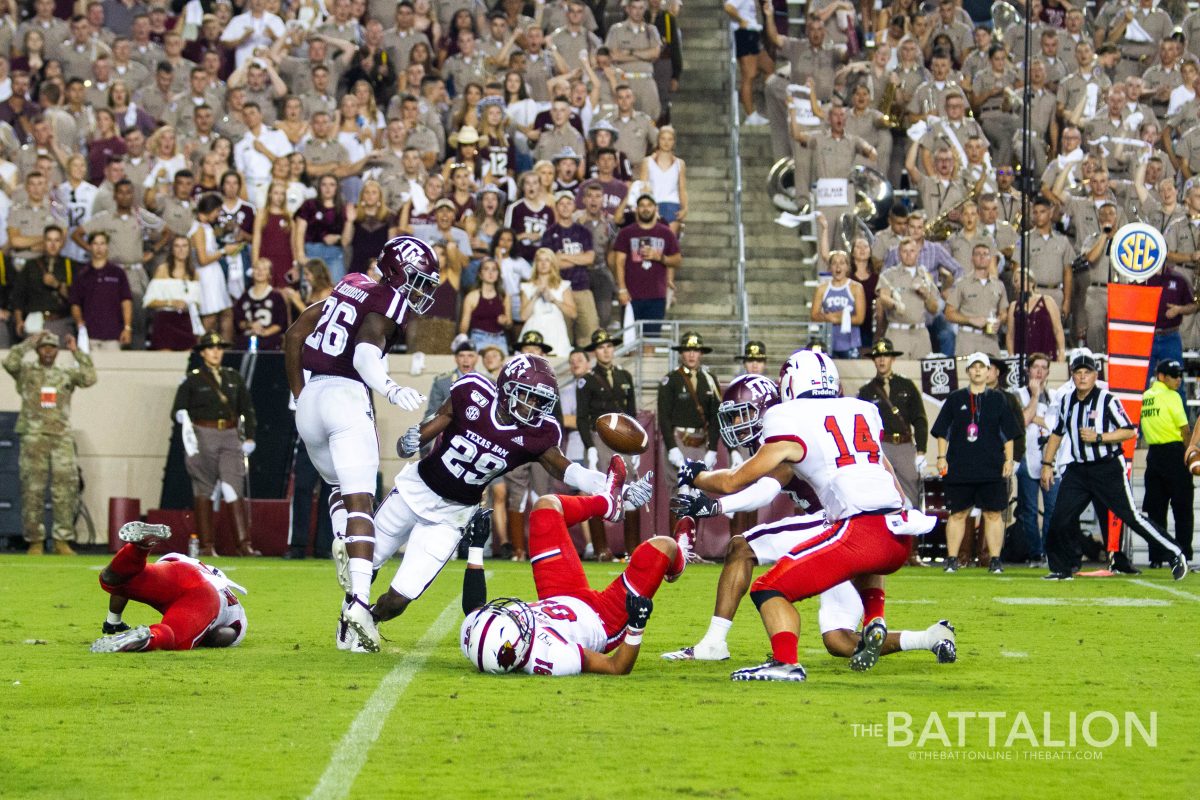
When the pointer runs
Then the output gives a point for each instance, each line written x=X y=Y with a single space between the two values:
x=1005 y=17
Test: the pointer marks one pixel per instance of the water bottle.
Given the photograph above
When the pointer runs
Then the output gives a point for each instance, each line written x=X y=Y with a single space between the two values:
x=254 y=344
x=193 y=546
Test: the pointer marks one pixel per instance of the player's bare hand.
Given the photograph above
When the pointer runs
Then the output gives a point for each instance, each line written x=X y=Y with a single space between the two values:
x=405 y=397
x=639 y=609
x=697 y=506
x=409 y=443
x=638 y=493
x=690 y=471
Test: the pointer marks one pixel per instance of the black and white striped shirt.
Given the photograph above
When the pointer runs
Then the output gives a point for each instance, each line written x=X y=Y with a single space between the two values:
x=1100 y=410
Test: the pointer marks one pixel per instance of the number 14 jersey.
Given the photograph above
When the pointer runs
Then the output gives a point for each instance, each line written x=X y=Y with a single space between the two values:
x=842 y=456
x=476 y=448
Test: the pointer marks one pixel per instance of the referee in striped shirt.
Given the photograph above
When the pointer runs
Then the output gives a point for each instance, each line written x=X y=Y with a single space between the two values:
x=1093 y=424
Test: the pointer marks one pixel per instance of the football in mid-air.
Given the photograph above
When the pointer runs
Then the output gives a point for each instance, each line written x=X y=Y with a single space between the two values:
x=1193 y=461
x=622 y=433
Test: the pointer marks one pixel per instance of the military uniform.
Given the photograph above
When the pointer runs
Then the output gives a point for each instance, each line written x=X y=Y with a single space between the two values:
x=215 y=402
x=628 y=37
x=905 y=426
x=47 y=447
x=1049 y=257
x=973 y=297
x=602 y=391
x=905 y=325
x=687 y=410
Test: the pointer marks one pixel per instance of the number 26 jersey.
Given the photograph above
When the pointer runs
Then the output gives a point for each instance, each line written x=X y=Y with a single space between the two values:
x=329 y=349
x=475 y=448
x=842 y=456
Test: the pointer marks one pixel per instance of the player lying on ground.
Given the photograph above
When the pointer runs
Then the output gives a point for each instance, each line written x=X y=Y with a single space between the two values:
x=197 y=601
x=572 y=626
x=812 y=432
x=334 y=355
x=483 y=431
x=745 y=401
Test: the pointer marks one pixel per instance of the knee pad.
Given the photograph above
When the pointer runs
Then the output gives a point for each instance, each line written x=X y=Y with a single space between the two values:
x=760 y=596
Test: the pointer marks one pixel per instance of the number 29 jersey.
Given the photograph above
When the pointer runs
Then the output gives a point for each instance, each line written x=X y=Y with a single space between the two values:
x=476 y=448
x=329 y=349
x=842 y=457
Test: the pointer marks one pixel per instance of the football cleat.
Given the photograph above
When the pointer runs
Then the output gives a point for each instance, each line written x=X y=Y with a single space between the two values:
x=700 y=652
x=361 y=623
x=995 y=567
x=143 y=533
x=341 y=563
x=347 y=640
x=128 y=642
x=613 y=485
x=685 y=537
x=770 y=670
x=951 y=565
x=1179 y=567
x=109 y=628
x=1058 y=576
x=945 y=648
x=869 y=646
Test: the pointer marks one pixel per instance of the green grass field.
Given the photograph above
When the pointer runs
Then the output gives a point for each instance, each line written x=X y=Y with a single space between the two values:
x=272 y=717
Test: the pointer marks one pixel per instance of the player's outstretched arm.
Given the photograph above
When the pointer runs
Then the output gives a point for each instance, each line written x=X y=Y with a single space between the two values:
x=417 y=436
x=293 y=347
x=624 y=657
x=755 y=496
x=371 y=365
x=588 y=481
x=728 y=481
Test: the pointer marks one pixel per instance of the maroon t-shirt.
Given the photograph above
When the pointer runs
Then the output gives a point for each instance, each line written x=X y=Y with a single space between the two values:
x=270 y=310
x=1175 y=292
x=645 y=280
x=329 y=349
x=475 y=448
x=322 y=221
x=99 y=293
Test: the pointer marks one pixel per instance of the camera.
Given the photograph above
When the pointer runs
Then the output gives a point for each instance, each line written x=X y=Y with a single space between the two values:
x=1107 y=229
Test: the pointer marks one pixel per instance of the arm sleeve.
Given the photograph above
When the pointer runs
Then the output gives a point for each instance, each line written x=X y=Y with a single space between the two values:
x=369 y=362
x=588 y=481
x=85 y=370
x=1059 y=411
x=182 y=395
x=474 y=589
x=1178 y=415
x=12 y=362
x=664 y=419
x=754 y=496
x=1116 y=413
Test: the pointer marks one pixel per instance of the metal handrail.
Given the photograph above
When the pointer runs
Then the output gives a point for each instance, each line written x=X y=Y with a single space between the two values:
x=735 y=147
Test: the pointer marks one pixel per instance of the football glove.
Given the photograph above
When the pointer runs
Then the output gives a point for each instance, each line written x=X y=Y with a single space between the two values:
x=710 y=459
x=736 y=459
x=637 y=494
x=479 y=528
x=675 y=457
x=593 y=458
x=695 y=505
x=638 y=608
x=408 y=444
x=406 y=397
x=689 y=471
x=109 y=628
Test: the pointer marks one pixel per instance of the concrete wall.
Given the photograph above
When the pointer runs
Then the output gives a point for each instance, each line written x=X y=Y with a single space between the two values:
x=123 y=427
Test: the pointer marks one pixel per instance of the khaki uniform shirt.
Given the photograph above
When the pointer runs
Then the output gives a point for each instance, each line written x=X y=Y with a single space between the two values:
x=636 y=135
x=978 y=298
x=1049 y=257
x=902 y=283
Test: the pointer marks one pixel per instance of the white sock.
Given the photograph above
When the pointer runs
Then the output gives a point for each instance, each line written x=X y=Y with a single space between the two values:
x=338 y=518
x=360 y=577
x=917 y=640
x=718 y=629
x=113 y=619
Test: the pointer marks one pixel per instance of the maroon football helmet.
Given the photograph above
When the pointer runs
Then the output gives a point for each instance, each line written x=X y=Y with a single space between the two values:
x=529 y=388
x=410 y=266
x=743 y=404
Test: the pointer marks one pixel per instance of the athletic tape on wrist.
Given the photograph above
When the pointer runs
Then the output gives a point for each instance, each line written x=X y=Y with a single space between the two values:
x=633 y=636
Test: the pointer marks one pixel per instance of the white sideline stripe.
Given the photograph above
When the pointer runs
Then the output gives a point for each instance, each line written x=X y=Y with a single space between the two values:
x=351 y=753
x=1013 y=654
x=1168 y=589
x=1108 y=602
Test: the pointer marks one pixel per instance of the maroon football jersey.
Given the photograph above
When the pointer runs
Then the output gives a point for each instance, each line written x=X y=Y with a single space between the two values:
x=802 y=495
x=476 y=448
x=329 y=349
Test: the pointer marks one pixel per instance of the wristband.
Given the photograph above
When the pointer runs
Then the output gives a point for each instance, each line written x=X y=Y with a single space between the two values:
x=633 y=636
x=1048 y=464
x=941 y=458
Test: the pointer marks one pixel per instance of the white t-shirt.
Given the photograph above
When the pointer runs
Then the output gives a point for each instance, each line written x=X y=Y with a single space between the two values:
x=258 y=27
x=748 y=11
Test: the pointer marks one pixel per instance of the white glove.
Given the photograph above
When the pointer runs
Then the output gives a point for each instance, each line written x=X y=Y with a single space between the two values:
x=410 y=442
x=291 y=402
x=183 y=417
x=191 y=445
x=675 y=458
x=406 y=397
x=736 y=459
x=922 y=464
x=248 y=447
x=593 y=458
x=636 y=461
x=710 y=459
x=638 y=493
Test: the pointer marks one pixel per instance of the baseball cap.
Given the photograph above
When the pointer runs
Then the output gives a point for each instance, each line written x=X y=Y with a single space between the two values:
x=1084 y=359
x=1169 y=367
x=444 y=203
x=978 y=358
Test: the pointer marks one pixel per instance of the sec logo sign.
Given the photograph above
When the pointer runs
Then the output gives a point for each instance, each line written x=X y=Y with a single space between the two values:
x=1138 y=251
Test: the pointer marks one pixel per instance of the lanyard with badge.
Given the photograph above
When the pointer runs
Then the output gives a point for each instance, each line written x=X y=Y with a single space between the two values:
x=972 y=427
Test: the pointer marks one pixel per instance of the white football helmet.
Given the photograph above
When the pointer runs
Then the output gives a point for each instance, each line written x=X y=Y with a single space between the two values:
x=499 y=638
x=809 y=374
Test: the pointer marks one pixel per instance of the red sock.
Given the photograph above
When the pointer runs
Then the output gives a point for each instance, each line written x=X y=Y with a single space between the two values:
x=785 y=647
x=677 y=564
x=872 y=604
x=646 y=569
x=129 y=561
x=161 y=637
x=585 y=506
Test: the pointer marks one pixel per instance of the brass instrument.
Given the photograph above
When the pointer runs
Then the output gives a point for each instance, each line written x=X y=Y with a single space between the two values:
x=940 y=228
x=891 y=108
x=1005 y=17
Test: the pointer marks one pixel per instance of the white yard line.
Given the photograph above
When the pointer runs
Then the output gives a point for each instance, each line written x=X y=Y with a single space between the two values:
x=1168 y=589
x=351 y=753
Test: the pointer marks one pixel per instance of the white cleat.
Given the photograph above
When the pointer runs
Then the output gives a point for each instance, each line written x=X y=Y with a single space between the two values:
x=341 y=563
x=143 y=533
x=771 y=670
x=946 y=648
x=700 y=652
x=130 y=641
x=359 y=622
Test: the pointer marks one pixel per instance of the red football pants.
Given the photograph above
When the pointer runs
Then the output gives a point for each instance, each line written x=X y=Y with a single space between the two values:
x=557 y=569
x=188 y=602
x=861 y=545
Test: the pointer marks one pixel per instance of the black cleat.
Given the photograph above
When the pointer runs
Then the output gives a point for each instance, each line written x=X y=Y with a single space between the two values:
x=995 y=567
x=1179 y=568
x=870 y=646
x=1058 y=576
